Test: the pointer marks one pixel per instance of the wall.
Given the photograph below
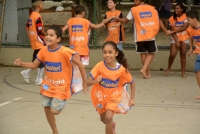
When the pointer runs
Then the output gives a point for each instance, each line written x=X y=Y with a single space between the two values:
x=8 y=55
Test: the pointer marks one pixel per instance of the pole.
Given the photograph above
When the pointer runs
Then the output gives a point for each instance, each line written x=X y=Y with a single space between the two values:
x=189 y=4
x=3 y=2
x=95 y=22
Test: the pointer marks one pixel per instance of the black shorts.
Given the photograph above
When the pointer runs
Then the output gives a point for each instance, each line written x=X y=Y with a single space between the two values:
x=35 y=56
x=146 y=46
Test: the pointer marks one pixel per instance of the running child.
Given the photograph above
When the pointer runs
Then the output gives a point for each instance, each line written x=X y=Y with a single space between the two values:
x=36 y=33
x=115 y=28
x=109 y=78
x=56 y=86
x=79 y=28
x=180 y=38
x=194 y=32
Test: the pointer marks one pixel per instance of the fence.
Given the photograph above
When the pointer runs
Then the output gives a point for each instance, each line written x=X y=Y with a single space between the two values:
x=17 y=12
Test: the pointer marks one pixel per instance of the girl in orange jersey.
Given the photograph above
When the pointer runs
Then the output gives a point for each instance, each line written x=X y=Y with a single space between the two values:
x=180 y=39
x=109 y=79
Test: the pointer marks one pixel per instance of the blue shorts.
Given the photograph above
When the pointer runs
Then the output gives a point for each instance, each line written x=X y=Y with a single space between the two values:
x=197 y=64
x=54 y=103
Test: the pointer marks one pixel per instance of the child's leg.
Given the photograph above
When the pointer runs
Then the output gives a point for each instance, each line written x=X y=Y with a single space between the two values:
x=147 y=63
x=183 y=51
x=143 y=57
x=51 y=119
x=198 y=81
x=173 y=53
x=107 y=118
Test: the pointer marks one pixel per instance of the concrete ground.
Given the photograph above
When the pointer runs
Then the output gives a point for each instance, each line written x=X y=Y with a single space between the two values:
x=164 y=105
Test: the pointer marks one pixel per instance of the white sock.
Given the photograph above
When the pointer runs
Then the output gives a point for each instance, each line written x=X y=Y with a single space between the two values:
x=28 y=71
x=40 y=73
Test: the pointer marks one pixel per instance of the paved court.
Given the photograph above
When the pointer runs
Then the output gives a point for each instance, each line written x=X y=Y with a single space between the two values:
x=164 y=105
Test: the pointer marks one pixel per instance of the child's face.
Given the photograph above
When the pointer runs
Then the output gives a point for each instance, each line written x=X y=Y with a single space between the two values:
x=137 y=2
x=51 y=38
x=178 y=10
x=109 y=53
x=41 y=6
x=191 y=21
x=111 y=4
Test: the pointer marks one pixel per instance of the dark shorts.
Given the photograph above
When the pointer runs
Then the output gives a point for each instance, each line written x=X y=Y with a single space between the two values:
x=146 y=46
x=35 y=56
x=164 y=14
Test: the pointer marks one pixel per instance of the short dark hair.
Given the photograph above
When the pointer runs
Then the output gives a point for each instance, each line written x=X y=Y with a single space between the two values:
x=114 y=1
x=57 y=30
x=79 y=9
x=192 y=14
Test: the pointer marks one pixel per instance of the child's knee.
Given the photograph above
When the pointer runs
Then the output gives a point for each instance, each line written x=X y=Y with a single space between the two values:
x=55 y=112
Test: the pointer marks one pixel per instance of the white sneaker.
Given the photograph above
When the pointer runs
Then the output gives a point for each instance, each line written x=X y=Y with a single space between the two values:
x=38 y=82
x=25 y=76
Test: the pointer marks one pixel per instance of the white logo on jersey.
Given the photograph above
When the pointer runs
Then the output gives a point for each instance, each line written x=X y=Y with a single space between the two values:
x=77 y=38
x=144 y=24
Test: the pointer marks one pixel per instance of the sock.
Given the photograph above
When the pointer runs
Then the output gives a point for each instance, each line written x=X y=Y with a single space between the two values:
x=28 y=71
x=40 y=73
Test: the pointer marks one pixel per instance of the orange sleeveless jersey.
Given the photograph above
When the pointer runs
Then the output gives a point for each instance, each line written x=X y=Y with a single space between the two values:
x=79 y=35
x=182 y=36
x=146 y=22
x=35 y=40
x=195 y=35
x=58 y=72
x=108 y=93
x=113 y=31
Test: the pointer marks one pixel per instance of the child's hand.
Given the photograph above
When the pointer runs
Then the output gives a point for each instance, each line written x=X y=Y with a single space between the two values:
x=18 y=62
x=85 y=88
x=98 y=79
x=131 y=102
x=177 y=44
x=190 y=52
x=169 y=32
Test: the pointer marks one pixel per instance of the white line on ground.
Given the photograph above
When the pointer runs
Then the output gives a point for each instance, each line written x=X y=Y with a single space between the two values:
x=17 y=98
x=7 y=102
x=2 y=104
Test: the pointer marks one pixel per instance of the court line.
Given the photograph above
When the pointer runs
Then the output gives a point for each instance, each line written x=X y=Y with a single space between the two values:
x=7 y=102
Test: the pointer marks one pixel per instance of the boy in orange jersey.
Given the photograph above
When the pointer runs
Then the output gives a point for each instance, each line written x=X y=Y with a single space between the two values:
x=194 y=32
x=36 y=33
x=79 y=28
x=115 y=28
x=56 y=86
x=147 y=24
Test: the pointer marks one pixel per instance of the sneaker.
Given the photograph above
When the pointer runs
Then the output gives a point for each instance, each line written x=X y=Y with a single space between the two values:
x=25 y=76
x=38 y=82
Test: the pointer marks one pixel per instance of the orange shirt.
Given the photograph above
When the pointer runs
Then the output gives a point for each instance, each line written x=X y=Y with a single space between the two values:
x=146 y=22
x=195 y=35
x=182 y=36
x=58 y=72
x=79 y=35
x=37 y=42
x=114 y=32
x=108 y=93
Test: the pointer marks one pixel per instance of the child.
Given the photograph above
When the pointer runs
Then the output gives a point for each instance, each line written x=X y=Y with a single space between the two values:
x=115 y=29
x=147 y=25
x=79 y=28
x=36 y=33
x=180 y=39
x=56 y=86
x=194 y=32
x=108 y=78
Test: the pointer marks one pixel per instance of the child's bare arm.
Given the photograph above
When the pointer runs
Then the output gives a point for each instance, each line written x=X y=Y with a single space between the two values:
x=122 y=20
x=31 y=65
x=96 y=26
x=132 y=98
x=191 y=47
x=82 y=71
x=91 y=81
x=64 y=28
